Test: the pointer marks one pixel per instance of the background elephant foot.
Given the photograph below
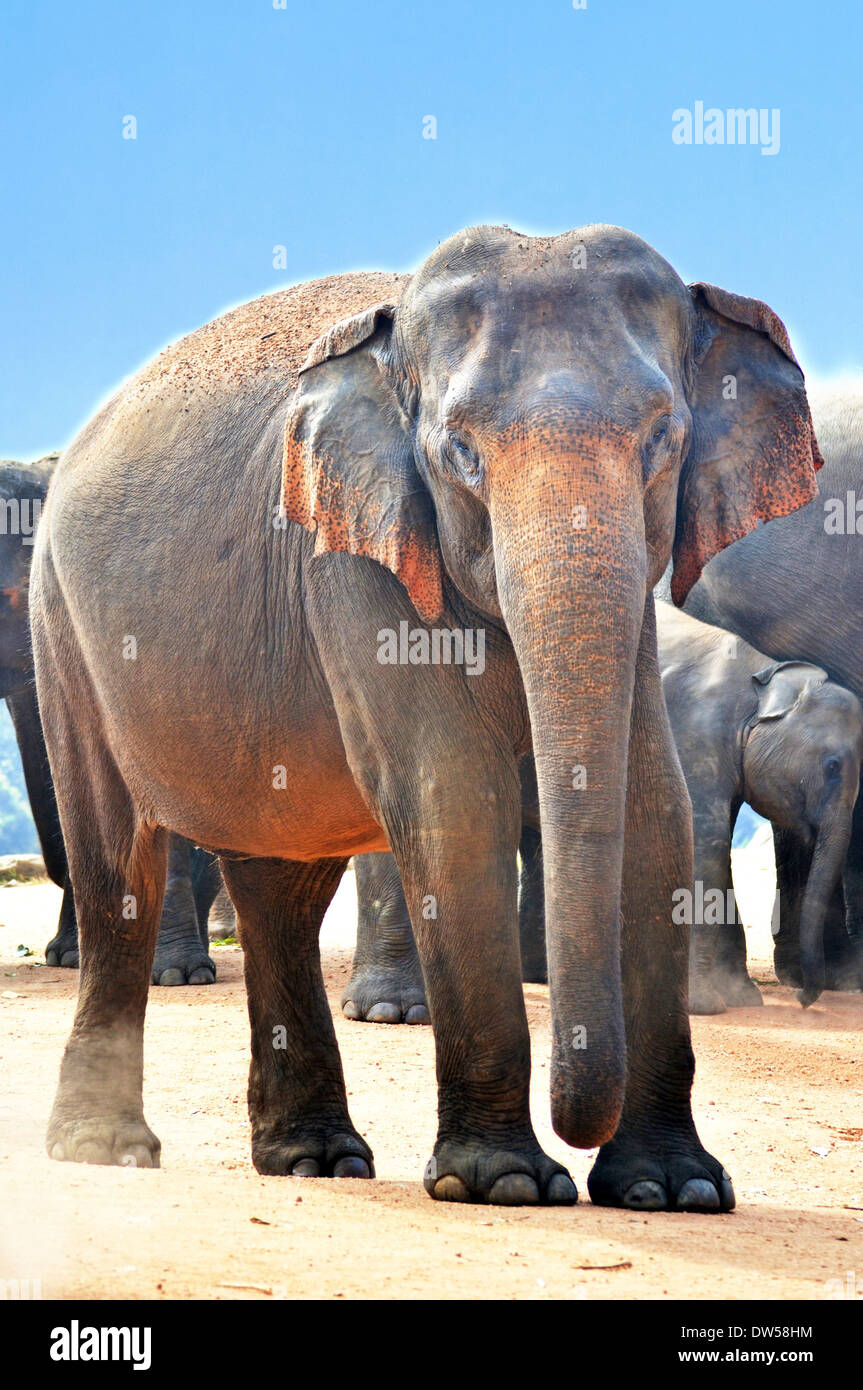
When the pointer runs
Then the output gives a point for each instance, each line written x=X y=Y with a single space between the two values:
x=182 y=961
x=687 y=1178
x=62 y=949
x=704 y=997
x=738 y=991
x=387 y=981
x=381 y=993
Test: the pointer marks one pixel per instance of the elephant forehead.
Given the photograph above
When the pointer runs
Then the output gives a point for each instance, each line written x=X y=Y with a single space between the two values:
x=270 y=334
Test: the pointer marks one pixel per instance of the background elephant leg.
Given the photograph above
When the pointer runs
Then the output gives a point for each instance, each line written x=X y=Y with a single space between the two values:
x=730 y=975
x=23 y=708
x=531 y=908
x=181 y=957
x=297 y=1102
x=656 y=1159
x=62 y=949
x=843 y=951
x=207 y=884
x=711 y=871
x=843 y=954
x=386 y=984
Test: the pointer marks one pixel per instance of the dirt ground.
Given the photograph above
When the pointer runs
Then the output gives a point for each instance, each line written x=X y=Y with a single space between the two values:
x=777 y=1097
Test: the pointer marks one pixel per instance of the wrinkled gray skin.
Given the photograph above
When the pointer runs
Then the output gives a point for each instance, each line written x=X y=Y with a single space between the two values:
x=781 y=736
x=794 y=590
x=443 y=448
x=386 y=984
x=181 y=953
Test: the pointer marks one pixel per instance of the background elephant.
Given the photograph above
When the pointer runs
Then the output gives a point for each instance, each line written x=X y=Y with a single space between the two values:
x=510 y=443
x=784 y=738
x=795 y=591
x=182 y=950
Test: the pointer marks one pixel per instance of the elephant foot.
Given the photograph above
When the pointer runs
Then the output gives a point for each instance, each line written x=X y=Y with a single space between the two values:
x=844 y=974
x=671 y=1179
x=523 y=1176
x=788 y=972
x=62 y=949
x=122 y=1142
x=739 y=992
x=386 y=994
x=183 y=963
x=704 y=998
x=313 y=1151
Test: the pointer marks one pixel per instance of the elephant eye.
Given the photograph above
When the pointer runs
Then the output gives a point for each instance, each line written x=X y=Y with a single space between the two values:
x=460 y=457
x=832 y=768
x=661 y=432
x=657 y=450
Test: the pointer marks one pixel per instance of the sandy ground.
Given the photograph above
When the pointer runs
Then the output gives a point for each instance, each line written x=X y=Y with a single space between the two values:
x=777 y=1097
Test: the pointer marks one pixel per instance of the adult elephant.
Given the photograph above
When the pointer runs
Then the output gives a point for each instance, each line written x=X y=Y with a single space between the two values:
x=508 y=443
x=795 y=591
x=181 y=955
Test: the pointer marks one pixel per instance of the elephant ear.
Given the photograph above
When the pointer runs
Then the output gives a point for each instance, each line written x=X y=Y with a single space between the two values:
x=349 y=473
x=780 y=685
x=753 y=453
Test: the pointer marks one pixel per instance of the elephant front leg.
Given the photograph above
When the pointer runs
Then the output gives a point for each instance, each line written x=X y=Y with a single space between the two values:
x=458 y=868
x=656 y=1160
x=386 y=984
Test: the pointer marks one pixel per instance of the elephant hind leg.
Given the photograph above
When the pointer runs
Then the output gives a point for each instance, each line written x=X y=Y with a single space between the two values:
x=116 y=858
x=297 y=1102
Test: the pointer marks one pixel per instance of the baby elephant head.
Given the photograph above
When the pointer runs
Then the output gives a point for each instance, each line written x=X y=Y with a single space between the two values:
x=801 y=767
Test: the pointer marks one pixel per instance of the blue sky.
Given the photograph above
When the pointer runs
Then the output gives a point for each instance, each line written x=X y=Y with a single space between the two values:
x=302 y=127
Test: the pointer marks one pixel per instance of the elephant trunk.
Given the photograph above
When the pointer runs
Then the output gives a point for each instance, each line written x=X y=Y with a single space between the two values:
x=571 y=582
x=828 y=858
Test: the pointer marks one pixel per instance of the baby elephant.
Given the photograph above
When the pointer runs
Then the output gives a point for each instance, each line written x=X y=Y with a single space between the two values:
x=781 y=736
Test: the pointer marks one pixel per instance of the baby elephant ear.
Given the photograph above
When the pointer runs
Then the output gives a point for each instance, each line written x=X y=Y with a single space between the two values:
x=349 y=473
x=753 y=453
x=780 y=685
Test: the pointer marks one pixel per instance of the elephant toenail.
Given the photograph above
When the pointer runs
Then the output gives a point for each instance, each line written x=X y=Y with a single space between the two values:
x=698 y=1194
x=646 y=1196
x=352 y=1166
x=562 y=1191
x=384 y=1013
x=350 y=1009
x=306 y=1168
x=172 y=977
x=450 y=1189
x=514 y=1190
x=417 y=1013
x=729 y=1201
x=203 y=976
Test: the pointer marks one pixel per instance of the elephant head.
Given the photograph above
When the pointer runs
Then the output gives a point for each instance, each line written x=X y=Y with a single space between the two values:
x=801 y=769
x=537 y=424
x=22 y=493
